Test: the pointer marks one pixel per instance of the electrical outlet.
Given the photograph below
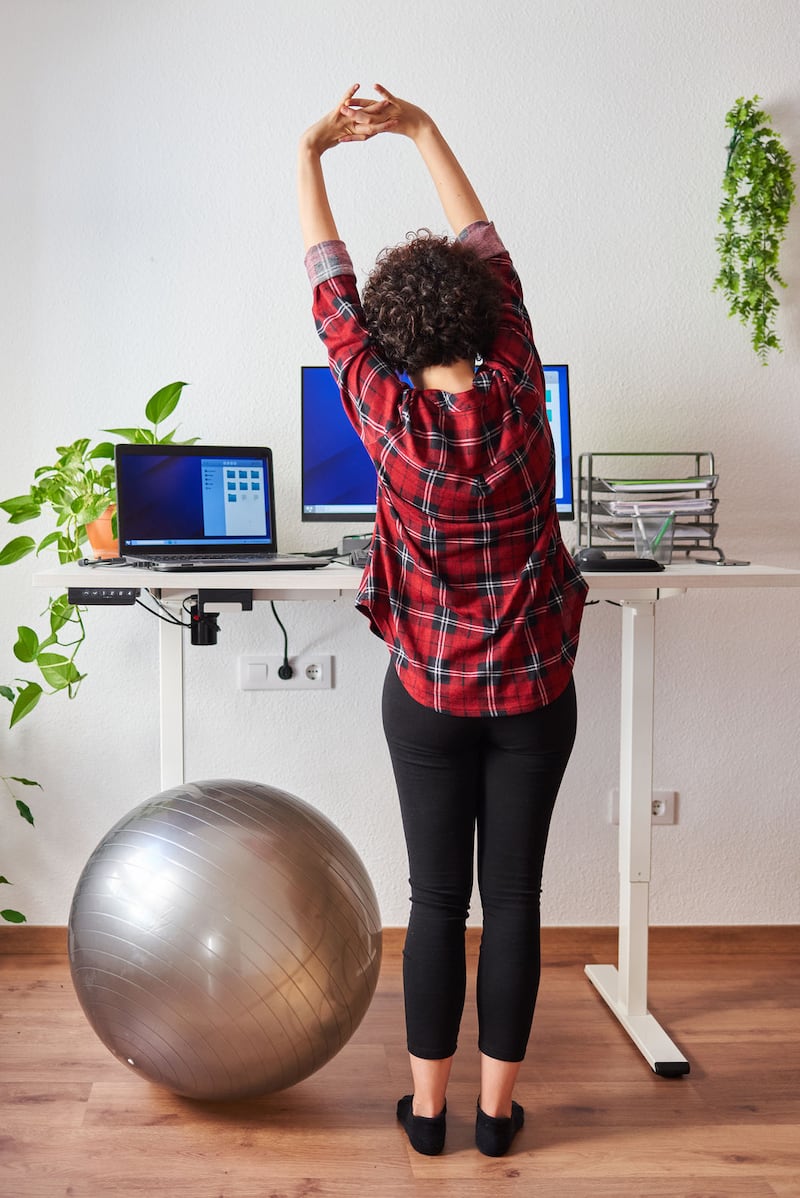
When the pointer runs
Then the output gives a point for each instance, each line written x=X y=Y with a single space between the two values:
x=312 y=672
x=664 y=806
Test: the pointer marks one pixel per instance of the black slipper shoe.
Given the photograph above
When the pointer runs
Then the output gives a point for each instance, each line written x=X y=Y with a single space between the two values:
x=493 y=1136
x=426 y=1135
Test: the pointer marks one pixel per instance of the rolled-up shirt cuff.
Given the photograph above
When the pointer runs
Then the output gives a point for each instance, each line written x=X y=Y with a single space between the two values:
x=326 y=260
x=481 y=236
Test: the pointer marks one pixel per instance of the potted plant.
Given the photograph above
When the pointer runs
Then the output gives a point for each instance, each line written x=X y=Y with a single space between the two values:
x=77 y=491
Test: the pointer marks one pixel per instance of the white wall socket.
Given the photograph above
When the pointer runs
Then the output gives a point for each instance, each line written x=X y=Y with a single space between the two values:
x=312 y=672
x=664 y=809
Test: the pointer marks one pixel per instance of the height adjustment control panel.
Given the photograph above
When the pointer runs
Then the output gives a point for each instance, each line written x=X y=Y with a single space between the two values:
x=113 y=596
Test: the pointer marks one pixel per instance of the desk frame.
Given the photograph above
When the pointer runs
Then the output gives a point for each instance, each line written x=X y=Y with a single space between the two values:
x=622 y=986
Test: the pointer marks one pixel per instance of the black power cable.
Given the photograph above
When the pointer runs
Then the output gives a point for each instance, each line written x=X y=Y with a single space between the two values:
x=168 y=617
x=285 y=671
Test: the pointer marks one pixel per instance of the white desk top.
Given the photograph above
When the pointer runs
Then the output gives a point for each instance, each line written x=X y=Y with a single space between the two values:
x=325 y=582
x=335 y=580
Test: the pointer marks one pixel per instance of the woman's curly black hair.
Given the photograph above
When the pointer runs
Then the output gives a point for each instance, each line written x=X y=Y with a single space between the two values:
x=431 y=302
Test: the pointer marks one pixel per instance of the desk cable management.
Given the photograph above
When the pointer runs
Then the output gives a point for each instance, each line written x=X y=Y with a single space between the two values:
x=202 y=624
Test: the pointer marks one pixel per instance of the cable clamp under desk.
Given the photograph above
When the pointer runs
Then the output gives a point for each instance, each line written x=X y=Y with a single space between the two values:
x=224 y=600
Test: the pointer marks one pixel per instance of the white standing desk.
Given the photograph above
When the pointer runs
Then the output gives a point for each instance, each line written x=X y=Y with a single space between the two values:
x=623 y=986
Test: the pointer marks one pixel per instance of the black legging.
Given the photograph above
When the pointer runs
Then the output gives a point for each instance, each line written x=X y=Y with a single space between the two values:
x=454 y=774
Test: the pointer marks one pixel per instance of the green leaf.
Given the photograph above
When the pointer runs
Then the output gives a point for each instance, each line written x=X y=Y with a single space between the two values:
x=4 y=881
x=7 y=693
x=21 y=508
x=163 y=403
x=25 y=702
x=62 y=604
x=169 y=438
x=24 y=811
x=58 y=671
x=16 y=503
x=16 y=549
x=104 y=449
x=61 y=612
x=46 y=542
x=27 y=645
x=13 y=916
x=128 y=434
x=25 y=781
x=69 y=548
x=30 y=513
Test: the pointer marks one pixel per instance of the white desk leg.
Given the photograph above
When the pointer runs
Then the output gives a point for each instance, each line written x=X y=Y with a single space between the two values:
x=624 y=987
x=170 y=645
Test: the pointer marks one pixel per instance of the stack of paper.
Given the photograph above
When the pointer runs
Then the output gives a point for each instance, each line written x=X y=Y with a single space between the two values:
x=659 y=486
x=660 y=507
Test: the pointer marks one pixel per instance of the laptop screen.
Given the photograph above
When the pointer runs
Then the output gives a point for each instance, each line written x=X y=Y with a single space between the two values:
x=193 y=498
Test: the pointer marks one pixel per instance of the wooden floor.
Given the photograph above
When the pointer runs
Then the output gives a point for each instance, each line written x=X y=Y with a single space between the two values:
x=599 y=1123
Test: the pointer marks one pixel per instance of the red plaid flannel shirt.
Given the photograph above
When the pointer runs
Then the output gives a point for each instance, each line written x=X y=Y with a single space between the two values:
x=468 y=581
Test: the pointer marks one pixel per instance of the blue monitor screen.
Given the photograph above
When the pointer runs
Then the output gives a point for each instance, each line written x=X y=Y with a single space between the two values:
x=556 y=389
x=338 y=477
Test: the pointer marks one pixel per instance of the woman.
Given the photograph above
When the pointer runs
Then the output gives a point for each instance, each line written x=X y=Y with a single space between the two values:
x=470 y=587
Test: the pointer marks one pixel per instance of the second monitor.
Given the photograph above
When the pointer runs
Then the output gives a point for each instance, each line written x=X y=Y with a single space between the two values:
x=338 y=477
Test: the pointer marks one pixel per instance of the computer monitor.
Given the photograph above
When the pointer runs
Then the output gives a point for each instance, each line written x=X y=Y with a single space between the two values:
x=338 y=477
x=556 y=394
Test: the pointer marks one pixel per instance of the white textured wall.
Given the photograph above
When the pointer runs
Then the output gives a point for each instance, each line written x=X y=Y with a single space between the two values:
x=148 y=231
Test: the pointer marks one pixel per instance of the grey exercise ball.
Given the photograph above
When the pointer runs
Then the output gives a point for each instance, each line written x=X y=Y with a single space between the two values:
x=224 y=939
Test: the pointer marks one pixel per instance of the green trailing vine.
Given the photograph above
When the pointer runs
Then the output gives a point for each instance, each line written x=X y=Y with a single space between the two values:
x=758 y=191
x=9 y=782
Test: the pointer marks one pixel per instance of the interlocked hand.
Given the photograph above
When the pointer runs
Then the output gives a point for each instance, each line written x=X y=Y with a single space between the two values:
x=353 y=119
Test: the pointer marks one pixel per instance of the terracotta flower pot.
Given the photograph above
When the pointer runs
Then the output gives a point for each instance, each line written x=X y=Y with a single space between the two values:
x=101 y=537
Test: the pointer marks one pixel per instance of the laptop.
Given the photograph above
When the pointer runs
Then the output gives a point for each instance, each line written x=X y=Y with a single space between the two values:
x=200 y=507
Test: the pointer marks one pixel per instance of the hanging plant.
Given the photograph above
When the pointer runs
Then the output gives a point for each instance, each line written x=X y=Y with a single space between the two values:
x=758 y=191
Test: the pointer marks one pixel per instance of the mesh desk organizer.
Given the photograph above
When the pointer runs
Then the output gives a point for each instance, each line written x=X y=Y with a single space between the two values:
x=612 y=485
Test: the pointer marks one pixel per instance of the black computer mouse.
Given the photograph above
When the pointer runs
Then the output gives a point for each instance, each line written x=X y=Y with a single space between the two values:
x=589 y=554
x=594 y=560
